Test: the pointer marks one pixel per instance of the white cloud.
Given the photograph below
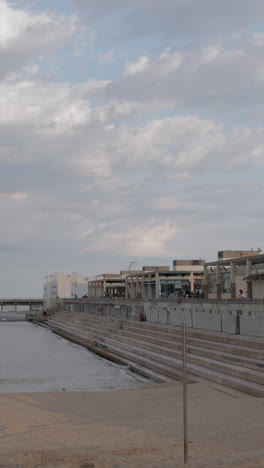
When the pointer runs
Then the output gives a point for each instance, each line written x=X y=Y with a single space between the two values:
x=96 y=142
x=131 y=68
x=212 y=76
x=176 y=143
x=46 y=106
x=109 y=170
x=93 y=165
x=168 y=61
x=24 y=35
x=147 y=240
x=17 y=196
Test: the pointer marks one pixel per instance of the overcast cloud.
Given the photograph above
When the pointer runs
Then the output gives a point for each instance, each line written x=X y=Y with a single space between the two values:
x=146 y=144
x=178 y=17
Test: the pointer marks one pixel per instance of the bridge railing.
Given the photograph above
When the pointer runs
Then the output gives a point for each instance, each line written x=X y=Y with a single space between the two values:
x=23 y=299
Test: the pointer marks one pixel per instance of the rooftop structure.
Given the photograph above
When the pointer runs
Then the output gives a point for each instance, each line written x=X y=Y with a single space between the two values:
x=156 y=268
x=228 y=254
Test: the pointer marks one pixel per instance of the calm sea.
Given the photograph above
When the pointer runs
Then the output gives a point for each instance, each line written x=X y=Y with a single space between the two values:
x=33 y=359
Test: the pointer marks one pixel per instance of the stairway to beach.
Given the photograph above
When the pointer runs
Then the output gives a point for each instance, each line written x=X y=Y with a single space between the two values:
x=155 y=350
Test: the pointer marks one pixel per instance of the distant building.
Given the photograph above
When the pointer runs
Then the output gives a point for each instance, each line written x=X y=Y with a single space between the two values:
x=191 y=271
x=59 y=285
x=160 y=282
x=234 y=271
x=107 y=285
x=151 y=282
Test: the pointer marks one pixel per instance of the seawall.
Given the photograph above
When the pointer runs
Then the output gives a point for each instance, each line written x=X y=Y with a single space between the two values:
x=116 y=331
x=241 y=317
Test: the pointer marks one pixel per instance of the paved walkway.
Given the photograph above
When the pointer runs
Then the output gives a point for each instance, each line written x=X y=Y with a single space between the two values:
x=131 y=428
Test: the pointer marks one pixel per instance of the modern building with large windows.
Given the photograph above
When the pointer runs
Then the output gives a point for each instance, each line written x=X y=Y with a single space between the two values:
x=107 y=285
x=160 y=282
x=235 y=271
x=151 y=282
x=193 y=271
x=124 y=284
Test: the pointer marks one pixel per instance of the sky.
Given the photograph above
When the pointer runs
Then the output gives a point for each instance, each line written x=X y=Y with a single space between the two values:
x=130 y=131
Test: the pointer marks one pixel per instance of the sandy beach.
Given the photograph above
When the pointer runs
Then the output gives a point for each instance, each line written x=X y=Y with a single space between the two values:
x=131 y=428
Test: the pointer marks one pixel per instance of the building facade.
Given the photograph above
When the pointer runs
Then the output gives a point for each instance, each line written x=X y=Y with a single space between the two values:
x=107 y=285
x=59 y=285
x=224 y=278
x=161 y=282
x=151 y=282
x=193 y=271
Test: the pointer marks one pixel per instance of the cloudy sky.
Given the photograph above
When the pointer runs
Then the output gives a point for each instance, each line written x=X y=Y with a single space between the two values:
x=129 y=131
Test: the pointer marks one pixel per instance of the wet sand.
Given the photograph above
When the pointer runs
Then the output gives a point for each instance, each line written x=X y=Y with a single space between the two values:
x=131 y=428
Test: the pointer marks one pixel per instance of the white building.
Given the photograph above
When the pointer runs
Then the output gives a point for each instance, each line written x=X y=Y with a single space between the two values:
x=58 y=285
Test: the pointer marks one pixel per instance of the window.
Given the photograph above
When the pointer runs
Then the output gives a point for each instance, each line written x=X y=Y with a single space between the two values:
x=169 y=287
x=226 y=282
x=212 y=282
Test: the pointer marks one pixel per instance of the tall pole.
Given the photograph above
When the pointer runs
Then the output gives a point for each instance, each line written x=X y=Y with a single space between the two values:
x=185 y=428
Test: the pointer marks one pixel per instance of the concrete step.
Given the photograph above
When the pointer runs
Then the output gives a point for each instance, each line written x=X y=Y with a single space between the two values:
x=228 y=348
x=141 y=370
x=211 y=364
x=176 y=351
x=207 y=335
x=175 y=348
x=117 y=330
x=172 y=372
x=225 y=351
x=172 y=333
x=235 y=348
x=117 y=354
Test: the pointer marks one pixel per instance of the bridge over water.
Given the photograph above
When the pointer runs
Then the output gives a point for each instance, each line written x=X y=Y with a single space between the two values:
x=31 y=303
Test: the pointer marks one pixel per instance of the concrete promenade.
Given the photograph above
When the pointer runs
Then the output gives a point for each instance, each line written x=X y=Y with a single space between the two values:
x=131 y=428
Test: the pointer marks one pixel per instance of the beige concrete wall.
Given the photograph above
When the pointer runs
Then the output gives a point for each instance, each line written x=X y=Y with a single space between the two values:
x=258 y=289
x=223 y=316
x=216 y=315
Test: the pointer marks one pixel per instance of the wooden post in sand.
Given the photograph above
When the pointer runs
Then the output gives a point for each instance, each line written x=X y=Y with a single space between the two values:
x=185 y=428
